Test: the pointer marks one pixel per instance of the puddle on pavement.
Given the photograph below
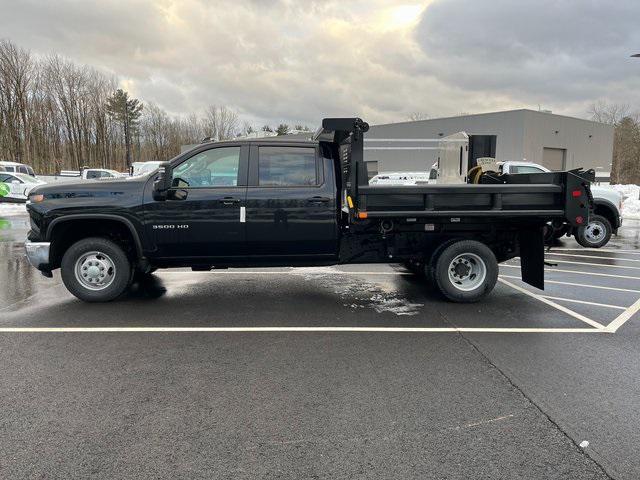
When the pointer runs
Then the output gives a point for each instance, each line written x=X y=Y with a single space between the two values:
x=358 y=293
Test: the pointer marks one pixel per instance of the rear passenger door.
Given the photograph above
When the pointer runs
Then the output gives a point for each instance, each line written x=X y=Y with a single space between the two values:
x=291 y=203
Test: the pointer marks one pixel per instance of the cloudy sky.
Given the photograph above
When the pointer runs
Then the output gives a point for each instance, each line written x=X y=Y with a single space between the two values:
x=275 y=60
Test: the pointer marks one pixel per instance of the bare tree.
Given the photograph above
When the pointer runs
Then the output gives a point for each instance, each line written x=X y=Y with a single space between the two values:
x=611 y=113
x=57 y=114
x=156 y=132
x=16 y=75
x=221 y=123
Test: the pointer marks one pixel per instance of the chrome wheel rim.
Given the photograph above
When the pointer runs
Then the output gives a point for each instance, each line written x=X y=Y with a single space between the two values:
x=467 y=272
x=95 y=270
x=595 y=231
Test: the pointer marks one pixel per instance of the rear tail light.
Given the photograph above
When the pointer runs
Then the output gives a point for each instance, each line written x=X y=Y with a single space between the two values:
x=576 y=193
x=579 y=220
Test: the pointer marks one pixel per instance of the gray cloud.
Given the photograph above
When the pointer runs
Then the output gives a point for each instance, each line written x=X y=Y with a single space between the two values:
x=563 y=53
x=299 y=61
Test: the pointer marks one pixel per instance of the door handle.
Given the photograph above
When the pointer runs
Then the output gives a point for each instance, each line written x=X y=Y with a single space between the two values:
x=318 y=199
x=229 y=201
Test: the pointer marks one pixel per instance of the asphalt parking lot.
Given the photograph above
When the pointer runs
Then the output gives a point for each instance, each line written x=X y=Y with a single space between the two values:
x=360 y=371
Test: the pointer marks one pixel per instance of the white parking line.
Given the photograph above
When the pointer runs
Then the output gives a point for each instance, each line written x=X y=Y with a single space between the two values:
x=562 y=308
x=593 y=256
x=623 y=317
x=606 y=250
x=597 y=264
x=584 y=302
x=578 y=272
x=294 y=329
x=579 y=284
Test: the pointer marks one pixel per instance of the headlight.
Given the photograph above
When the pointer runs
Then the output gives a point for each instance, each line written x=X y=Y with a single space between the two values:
x=36 y=197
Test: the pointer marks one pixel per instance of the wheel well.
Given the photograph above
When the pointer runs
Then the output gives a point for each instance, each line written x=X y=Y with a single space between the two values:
x=606 y=212
x=69 y=232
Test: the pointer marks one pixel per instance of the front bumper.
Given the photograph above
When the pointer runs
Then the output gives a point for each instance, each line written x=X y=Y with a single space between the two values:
x=38 y=254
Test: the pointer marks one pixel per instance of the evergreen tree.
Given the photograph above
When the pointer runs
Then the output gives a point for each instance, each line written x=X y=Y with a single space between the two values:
x=282 y=129
x=126 y=112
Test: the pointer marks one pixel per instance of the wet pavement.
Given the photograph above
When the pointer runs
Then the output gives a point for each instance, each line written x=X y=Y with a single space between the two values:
x=290 y=374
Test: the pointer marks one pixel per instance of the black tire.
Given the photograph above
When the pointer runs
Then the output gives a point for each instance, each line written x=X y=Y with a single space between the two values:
x=121 y=272
x=596 y=233
x=477 y=257
x=430 y=267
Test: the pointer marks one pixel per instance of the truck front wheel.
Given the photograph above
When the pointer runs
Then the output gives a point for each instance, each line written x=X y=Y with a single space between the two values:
x=96 y=270
x=466 y=271
x=596 y=233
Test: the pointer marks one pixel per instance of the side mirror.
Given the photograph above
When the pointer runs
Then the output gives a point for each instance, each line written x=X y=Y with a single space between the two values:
x=163 y=182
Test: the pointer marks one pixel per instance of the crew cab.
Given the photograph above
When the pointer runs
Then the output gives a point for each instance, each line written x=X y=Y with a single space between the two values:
x=262 y=202
x=605 y=220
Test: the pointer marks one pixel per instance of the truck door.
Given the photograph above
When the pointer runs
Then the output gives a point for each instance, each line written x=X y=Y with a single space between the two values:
x=203 y=214
x=291 y=202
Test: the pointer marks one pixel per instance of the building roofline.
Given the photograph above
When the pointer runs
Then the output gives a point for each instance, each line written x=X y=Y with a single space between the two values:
x=489 y=113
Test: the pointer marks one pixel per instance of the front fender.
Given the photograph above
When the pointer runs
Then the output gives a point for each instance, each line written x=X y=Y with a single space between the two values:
x=98 y=216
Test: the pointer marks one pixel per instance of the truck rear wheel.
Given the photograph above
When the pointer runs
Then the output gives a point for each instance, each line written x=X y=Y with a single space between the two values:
x=466 y=271
x=96 y=270
x=596 y=233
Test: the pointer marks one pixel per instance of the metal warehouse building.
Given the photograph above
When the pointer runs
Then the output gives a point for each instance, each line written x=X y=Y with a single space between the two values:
x=556 y=141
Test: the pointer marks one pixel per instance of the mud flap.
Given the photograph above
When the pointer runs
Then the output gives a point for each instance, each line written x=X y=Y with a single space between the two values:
x=532 y=256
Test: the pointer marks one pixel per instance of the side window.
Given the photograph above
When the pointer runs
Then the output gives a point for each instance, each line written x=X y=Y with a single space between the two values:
x=23 y=169
x=31 y=172
x=12 y=179
x=287 y=167
x=91 y=174
x=10 y=168
x=217 y=167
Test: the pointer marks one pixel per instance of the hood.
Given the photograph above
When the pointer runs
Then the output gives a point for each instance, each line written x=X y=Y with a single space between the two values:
x=91 y=188
x=606 y=193
x=88 y=196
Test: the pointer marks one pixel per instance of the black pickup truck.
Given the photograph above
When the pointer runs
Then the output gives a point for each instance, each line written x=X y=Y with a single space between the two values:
x=269 y=202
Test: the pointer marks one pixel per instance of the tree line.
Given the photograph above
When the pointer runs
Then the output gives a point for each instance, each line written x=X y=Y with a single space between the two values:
x=56 y=114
